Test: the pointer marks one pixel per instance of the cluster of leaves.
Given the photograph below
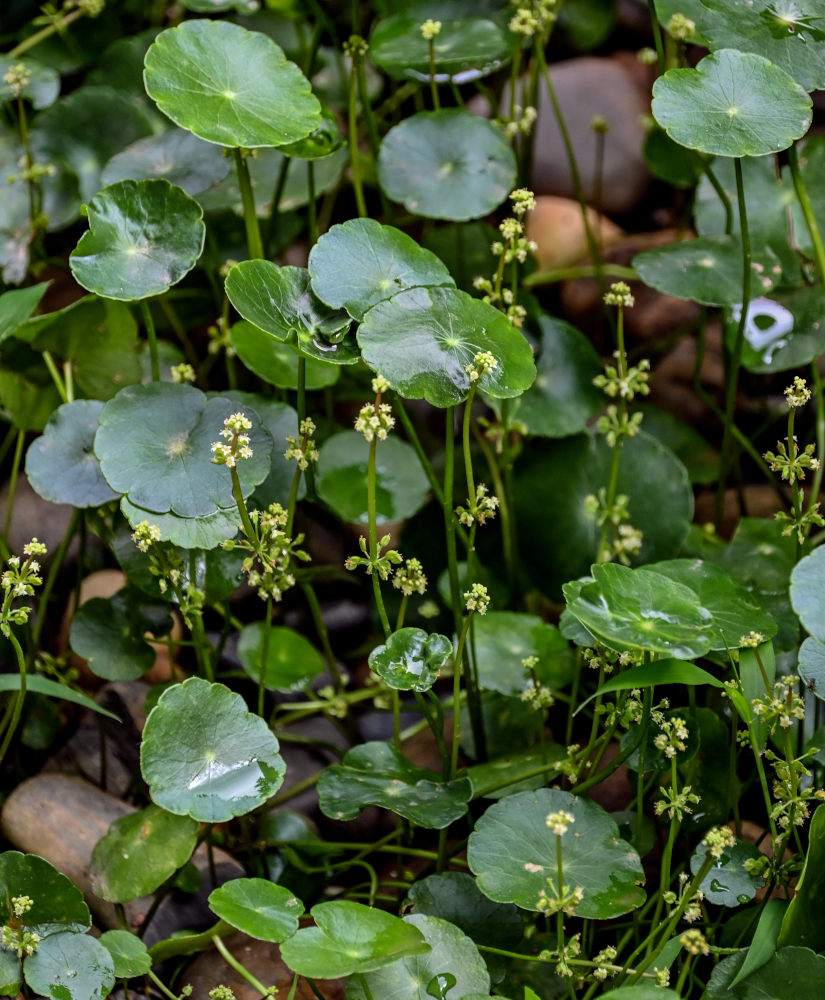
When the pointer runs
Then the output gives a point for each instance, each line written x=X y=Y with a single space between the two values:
x=167 y=174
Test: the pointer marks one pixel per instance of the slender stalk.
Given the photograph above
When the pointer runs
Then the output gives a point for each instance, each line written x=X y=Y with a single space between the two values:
x=19 y=697
x=459 y=656
x=323 y=635
x=816 y=486
x=240 y=503
x=15 y=471
x=149 y=323
x=721 y=193
x=40 y=36
x=241 y=969
x=57 y=378
x=433 y=84
x=657 y=35
x=449 y=516
x=355 y=163
x=264 y=655
x=250 y=216
x=55 y=568
x=373 y=537
x=807 y=210
x=735 y=360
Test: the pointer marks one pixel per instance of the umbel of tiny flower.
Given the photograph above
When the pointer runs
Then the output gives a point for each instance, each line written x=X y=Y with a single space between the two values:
x=19 y=580
x=477 y=599
x=680 y=27
x=783 y=706
x=382 y=564
x=182 y=373
x=482 y=363
x=483 y=509
x=751 y=640
x=375 y=420
x=237 y=446
x=221 y=993
x=430 y=28
x=797 y=393
x=559 y=822
x=302 y=449
x=694 y=942
x=17 y=77
x=410 y=578
x=619 y=295
x=145 y=534
x=268 y=567
x=717 y=839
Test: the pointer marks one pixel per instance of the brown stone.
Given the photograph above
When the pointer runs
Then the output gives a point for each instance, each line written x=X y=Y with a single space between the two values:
x=260 y=958
x=755 y=500
x=557 y=227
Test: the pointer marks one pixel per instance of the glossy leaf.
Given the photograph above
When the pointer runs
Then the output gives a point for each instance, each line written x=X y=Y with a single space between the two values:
x=130 y=956
x=206 y=756
x=139 y=852
x=504 y=639
x=61 y=464
x=640 y=609
x=807 y=582
x=783 y=331
x=811 y=666
x=349 y=937
x=728 y=882
x=175 y=155
x=465 y=48
x=511 y=773
x=204 y=532
x=719 y=107
x=359 y=263
x=804 y=920
x=559 y=476
x=401 y=490
x=154 y=446
x=57 y=905
x=411 y=659
x=763 y=946
x=734 y=611
x=377 y=774
x=17 y=305
x=707 y=270
x=798 y=970
x=11 y=973
x=279 y=301
x=446 y=164
x=512 y=852
x=664 y=671
x=54 y=689
x=70 y=967
x=143 y=237
x=277 y=363
x=422 y=340
x=257 y=907
x=563 y=398
x=292 y=662
x=229 y=86
x=108 y=632
x=453 y=960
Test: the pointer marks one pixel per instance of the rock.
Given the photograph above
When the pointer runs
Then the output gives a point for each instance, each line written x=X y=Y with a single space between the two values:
x=61 y=818
x=260 y=958
x=588 y=87
x=557 y=227
x=33 y=517
x=755 y=500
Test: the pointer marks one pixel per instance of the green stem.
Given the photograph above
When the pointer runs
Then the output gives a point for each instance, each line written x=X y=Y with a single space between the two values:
x=820 y=434
x=254 y=244
x=242 y=971
x=657 y=35
x=44 y=33
x=264 y=656
x=323 y=635
x=355 y=163
x=240 y=503
x=57 y=378
x=449 y=515
x=721 y=193
x=433 y=84
x=149 y=323
x=55 y=568
x=465 y=441
x=15 y=470
x=736 y=355
x=465 y=628
x=373 y=538
x=19 y=697
x=807 y=210
x=164 y=989
x=311 y=206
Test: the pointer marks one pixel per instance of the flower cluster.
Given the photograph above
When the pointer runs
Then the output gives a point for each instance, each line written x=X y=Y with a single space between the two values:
x=626 y=386
x=381 y=564
x=302 y=449
x=675 y=803
x=375 y=420
x=619 y=295
x=565 y=900
x=533 y=17
x=17 y=78
x=221 y=993
x=783 y=706
x=19 y=580
x=521 y=123
x=691 y=901
x=268 y=566
x=237 y=446
x=626 y=540
x=182 y=373
x=681 y=29
x=717 y=839
x=797 y=393
x=560 y=822
x=430 y=28
x=477 y=599
x=513 y=247
x=410 y=578
x=672 y=736
x=19 y=940
x=145 y=535
x=482 y=363
x=791 y=467
x=479 y=511
x=792 y=790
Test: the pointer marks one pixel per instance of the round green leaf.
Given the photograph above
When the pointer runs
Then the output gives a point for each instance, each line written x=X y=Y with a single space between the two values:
x=61 y=464
x=229 y=86
x=377 y=774
x=732 y=104
x=411 y=659
x=359 y=263
x=70 y=967
x=733 y=609
x=811 y=666
x=206 y=756
x=790 y=34
x=292 y=662
x=559 y=537
x=512 y=852
x=41 y=87
x=401 y=489
x=175 y=155
x=204 y=532
x=349 y=938
x=143 y=237
x=465 y=48
x=130 y=956
x=422 y=340
x=707 y=270
x=807 y=584
x=563 y=398
x=728 y=883
x=108 y=632
x=154 y=446
x=503 y=639
x=783 y=331
x=11 y=973
x=447 y=164
x=453 y=959
x=139 y=852
x=257 y=907
x=56 y=904
x=640 y=609
x=791 y=972
x=276 y=362
x=279 y=301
